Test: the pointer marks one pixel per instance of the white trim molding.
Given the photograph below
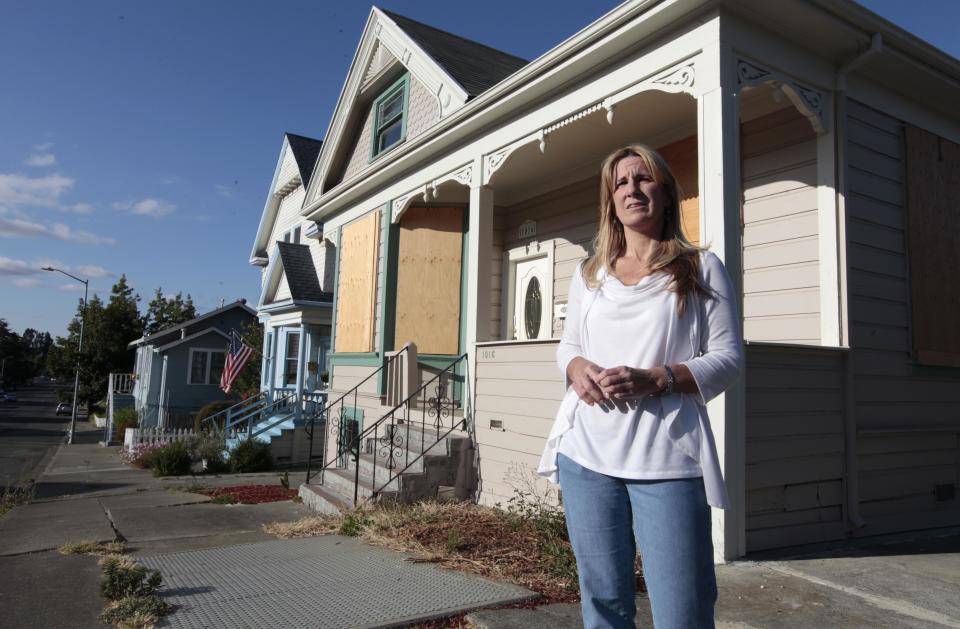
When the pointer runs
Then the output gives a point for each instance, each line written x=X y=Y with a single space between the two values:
x=464 y=175
x=807 y=100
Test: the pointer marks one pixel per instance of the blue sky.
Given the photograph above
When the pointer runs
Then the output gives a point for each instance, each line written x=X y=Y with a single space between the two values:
x=141 y=137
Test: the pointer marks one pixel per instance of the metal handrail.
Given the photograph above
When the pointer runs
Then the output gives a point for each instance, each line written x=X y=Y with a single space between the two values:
x=391 y=443
x=436 y=411
x=258 y=412
x=309 y=427
x=227 y=411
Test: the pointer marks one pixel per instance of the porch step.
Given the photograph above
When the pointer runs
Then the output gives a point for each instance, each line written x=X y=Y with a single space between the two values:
x=322 y=500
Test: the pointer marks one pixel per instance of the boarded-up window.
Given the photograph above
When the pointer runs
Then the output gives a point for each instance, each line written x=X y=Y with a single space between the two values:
x=357 y=285
x=682 y=157
x=933 y=190
x=428 y=279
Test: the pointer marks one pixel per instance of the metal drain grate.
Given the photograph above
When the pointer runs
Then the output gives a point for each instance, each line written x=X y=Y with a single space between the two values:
x=328 y=581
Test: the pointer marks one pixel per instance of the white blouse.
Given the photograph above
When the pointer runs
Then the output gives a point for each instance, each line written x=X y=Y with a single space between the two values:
x=654 y=437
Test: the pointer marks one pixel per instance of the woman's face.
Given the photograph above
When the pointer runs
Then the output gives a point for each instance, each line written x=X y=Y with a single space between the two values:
x=639 y=201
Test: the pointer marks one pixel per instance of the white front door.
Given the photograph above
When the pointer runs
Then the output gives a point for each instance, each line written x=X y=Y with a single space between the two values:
x=532 y=314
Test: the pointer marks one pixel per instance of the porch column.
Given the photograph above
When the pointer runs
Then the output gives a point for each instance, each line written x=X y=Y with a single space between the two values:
x=301 y=365
x=479 y=247
x=718 y=123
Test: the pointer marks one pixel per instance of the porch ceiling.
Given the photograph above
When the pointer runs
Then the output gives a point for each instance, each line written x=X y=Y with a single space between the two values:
x=575 y=151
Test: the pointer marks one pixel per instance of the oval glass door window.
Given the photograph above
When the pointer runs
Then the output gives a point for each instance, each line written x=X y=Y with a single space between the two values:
x=532 y=308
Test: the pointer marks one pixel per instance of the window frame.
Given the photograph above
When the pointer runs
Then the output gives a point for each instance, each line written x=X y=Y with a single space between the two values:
x=286 y=358
x=208 y=352
x=402 y=86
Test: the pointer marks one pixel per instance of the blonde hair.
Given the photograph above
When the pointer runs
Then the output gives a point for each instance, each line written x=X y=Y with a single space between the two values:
x=672 y=253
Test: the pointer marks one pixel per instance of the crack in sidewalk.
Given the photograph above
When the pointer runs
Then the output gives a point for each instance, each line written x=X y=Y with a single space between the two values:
x=118 y=536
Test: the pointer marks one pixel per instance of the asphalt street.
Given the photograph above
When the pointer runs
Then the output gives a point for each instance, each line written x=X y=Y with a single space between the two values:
x=29 y=434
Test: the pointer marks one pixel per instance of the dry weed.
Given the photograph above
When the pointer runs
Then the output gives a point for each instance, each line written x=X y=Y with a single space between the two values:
x=90 y=547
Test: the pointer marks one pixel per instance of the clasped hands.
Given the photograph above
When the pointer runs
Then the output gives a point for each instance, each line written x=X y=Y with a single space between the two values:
x=594 y=384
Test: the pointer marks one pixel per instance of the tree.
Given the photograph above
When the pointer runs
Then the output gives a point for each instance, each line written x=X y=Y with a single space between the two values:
x=123 y=324
x=164 y=312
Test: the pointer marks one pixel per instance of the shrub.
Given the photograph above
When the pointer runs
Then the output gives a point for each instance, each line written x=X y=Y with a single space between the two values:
x=124 y=418
x=135 y=611
x=208 y=446
x=210 y=409
x=141 y=455
x=123 y=577
x=251 y=456
x=173 y=459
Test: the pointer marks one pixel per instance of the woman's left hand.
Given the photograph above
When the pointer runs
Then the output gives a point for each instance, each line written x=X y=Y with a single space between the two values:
x=619 y=383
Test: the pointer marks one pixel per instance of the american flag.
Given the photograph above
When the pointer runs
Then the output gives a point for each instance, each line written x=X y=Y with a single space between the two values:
x=237 y=358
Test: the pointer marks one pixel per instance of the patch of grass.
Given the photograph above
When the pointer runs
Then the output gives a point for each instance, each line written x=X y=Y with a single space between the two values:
x=353 y=523
x=223 y=499
x=123 y=577
x=11 y=497
x=90 y=547
x=305 y=527
x=526 y=546
x=135 y=611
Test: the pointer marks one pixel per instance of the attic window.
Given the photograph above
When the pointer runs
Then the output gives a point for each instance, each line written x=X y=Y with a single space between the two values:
x=390 y=117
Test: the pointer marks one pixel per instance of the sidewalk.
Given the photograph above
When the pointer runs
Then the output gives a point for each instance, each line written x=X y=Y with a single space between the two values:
x=221 y=570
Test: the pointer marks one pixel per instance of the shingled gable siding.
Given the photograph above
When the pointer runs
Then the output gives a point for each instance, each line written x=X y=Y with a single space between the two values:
x=422 y=112
x=781 y=299
x=908 y=417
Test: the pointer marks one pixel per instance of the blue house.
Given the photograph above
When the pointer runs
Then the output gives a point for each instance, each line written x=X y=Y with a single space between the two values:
x=178 y=369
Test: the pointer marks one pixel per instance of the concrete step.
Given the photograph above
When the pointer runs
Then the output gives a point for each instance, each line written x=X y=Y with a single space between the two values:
x=322 y=500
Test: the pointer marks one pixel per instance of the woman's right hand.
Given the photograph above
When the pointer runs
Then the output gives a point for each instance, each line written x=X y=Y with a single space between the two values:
x=584 y=377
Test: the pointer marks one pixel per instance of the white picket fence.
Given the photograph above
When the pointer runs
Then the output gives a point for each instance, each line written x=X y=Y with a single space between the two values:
x=136 y=436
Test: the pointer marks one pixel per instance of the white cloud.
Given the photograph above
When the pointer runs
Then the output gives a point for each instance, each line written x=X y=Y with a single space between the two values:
x=9 y=266
x=46 y=146
x=36 y=191
x=90 y=271
x=26 y=282
x=41 y=159
x=71 y=288
x=223 y=190
x=23 y=228
x=147 y=207
x=78 y=208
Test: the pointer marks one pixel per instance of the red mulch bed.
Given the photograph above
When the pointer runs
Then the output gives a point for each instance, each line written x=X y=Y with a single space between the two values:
x=253 y=494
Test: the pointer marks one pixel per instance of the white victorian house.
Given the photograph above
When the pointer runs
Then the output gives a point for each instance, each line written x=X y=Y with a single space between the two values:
x=456 y=191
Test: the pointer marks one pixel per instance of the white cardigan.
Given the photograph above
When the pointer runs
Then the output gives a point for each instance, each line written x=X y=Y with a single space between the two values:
x=711 y=348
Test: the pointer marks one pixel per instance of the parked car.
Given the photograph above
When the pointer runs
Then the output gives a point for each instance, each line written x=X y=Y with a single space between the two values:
x=9 y=397
x=64 y=408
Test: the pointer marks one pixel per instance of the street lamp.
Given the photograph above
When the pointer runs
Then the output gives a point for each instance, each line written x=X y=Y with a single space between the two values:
x=76 y=379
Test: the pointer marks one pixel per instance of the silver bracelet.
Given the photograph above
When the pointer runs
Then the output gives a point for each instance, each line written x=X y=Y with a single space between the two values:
x=671 y=379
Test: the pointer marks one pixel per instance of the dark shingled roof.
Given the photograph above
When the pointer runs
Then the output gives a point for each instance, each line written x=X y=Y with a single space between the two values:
x=474 y=66
x=305 y=151
x=301 y=274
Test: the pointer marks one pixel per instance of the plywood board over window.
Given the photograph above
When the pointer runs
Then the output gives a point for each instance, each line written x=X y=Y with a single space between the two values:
x=428 y=279
x=356 y=291
x=933 y=198
x=682 y=158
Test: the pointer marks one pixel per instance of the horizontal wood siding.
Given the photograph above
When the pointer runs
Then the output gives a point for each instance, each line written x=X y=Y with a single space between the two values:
x=519 y=386
x=781 y=300
x=795 y=446
x=908 y=416
x=568 y=216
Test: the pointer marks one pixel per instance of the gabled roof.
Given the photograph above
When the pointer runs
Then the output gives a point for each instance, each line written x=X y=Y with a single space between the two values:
x=475 y=66
x=193 y=336
x=295 y=262
x=304 y=151
x=452 y=68
x=301 y=273
x=159 y=335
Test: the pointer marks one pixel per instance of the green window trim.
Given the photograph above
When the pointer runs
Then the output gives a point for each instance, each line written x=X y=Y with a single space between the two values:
x=387 y=116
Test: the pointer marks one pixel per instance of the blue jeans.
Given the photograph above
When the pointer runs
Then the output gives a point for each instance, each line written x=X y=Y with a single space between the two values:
x=671 y=522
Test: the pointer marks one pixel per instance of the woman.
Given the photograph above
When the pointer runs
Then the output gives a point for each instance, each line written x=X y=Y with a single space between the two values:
x=651 y=335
